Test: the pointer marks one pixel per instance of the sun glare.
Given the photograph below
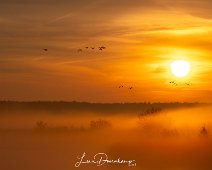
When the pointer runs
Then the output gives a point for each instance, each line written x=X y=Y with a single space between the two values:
x=180 y=68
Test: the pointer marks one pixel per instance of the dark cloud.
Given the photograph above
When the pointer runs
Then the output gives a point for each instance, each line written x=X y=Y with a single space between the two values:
x=93 y=9
x=30 y=24
x=199 y=8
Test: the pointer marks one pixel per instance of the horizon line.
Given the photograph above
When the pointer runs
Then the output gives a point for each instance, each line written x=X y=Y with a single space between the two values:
x=73 y=101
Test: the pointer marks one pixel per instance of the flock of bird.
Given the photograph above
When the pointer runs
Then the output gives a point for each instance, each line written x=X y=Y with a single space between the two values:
x=101 y=48
x=92 y=48
x=130 y=88
x=173 y=83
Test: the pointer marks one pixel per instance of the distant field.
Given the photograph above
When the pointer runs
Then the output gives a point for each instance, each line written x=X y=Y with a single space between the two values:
x=7 y=106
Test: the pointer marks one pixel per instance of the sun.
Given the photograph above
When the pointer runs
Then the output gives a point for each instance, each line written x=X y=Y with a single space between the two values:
x=180 y=68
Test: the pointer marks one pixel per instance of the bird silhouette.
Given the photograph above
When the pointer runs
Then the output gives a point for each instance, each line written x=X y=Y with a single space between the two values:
x=188 y=84
x=92 y=48
x=102 y=48
x=86 y=47
x=79 y=50
x=130 y=88
x=173 y=83
x=121 y=86
x=45 y=49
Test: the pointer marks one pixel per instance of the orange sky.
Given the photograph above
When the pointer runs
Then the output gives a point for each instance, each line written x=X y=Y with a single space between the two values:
x=142 y=38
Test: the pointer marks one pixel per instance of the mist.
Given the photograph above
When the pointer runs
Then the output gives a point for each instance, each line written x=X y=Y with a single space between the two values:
x=156 y=137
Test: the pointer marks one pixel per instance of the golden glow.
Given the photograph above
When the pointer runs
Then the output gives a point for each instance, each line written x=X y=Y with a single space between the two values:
x=141 y=39
x=180 y=68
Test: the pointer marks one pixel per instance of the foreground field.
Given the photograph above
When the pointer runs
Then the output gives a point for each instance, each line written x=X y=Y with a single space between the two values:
x=155 y=138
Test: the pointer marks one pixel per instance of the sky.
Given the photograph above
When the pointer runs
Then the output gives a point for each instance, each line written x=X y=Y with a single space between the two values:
x=142 y=38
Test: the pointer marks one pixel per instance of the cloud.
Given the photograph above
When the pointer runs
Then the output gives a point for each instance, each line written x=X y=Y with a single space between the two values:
x=159 y=70
x=194 y=7
x=137 y=34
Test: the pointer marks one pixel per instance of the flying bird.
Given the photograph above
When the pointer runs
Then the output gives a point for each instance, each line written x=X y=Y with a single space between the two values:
x=130 y=88
x=171 y=82
x=45 y=49
x=92 y=48
x=121 y=86
x=86 y=47
x=102 y=48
